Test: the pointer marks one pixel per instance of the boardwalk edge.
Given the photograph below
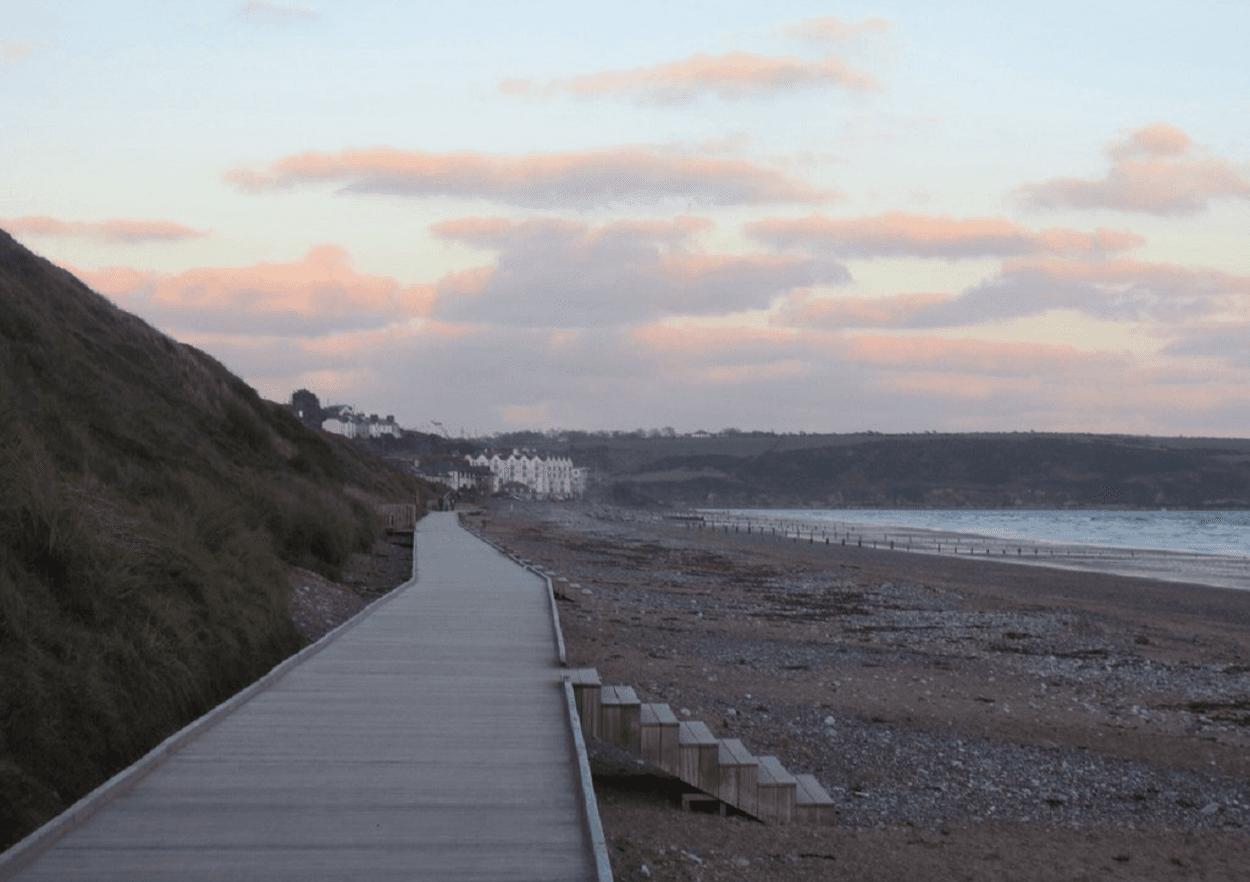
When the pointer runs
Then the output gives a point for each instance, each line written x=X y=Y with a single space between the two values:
x=25 y=852
x=590 y=806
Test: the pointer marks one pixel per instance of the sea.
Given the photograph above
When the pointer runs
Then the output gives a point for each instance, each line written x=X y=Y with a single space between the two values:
x=1208 y=547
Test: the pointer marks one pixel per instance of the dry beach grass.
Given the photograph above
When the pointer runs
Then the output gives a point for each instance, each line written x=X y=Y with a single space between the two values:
x=973 y=719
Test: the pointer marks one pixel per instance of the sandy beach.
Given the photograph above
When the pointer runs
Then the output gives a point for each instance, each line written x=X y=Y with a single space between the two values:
x=973 y=718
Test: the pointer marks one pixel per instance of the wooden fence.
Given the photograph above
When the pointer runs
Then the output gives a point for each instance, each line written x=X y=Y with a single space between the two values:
x=398 y=517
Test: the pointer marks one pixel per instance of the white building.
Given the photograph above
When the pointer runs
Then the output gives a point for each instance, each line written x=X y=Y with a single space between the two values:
x=342 y=419
x=553 y=477
x=458 y=477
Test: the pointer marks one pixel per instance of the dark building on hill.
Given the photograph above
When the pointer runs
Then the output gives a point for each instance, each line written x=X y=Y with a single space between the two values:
x=307 y=408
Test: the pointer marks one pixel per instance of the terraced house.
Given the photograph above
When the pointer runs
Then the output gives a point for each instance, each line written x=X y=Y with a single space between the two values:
x=547 y=478
x=342 y=419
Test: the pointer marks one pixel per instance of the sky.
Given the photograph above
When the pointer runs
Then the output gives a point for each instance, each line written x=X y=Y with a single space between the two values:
x=795 y=216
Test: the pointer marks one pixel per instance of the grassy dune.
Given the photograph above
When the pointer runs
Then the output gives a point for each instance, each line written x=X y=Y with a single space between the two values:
x=150 y=503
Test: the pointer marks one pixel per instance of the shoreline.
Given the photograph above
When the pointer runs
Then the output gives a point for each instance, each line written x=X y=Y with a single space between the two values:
x=1214 y=570
x=1024 y=711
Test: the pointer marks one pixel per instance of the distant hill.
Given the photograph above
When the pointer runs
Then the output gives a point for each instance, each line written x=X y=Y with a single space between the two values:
x=150 y=505
x=976 y=470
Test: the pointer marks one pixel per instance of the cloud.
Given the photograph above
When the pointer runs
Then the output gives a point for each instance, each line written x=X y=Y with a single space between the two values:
x=1132 y=290
x=1227 y=342
x=803 y=309
x=561 y=273
x=732 y=76
x=478 y=376
x=981 y=357
x=1109 y=290
x=575 y=179
x=484 y=355
x=1113 y=290
x=831 y=29
x=901 y=234
x=318 y=295
x=12 y=50
x=271 y=13
x=114 y=230
x=1152 y=171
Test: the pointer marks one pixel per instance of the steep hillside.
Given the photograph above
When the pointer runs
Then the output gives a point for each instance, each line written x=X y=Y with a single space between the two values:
x=150 y=504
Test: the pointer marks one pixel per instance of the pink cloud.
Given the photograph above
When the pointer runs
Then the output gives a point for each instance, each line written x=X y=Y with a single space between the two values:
x=732 y=76
x=1156 y=139
x=573 y=179
x=1152 y=171
x=318 y=295
x=121 y=230
x=831 y=29
x=693 y=377
x=704 y=342
x=902 y=234
x=318 y=322
x=561 y=273
x=802 y=309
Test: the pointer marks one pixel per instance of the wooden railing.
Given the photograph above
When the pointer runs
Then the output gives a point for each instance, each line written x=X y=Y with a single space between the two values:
x=398 y=517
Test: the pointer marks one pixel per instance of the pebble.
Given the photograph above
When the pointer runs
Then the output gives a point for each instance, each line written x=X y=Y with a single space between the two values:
x=887 y=774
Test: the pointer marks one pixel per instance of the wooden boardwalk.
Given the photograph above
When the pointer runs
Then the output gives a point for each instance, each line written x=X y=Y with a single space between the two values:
x=427 y=740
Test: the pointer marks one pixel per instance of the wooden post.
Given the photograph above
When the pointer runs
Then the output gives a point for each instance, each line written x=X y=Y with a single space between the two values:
x=739 y=776
x=586 y=691
x=658 y=732
x=618 y=714
x=699 y=756
x=812 y=805
x=776 y=791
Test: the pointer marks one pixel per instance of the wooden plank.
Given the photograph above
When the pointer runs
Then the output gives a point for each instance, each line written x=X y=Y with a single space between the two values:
x=586 y=691
x=812 y=803
x=739 y=776
x=398 y=517
x=658 y=733
x=619 y=709
x=429 y=741
x=776 y=791
x=699 y=756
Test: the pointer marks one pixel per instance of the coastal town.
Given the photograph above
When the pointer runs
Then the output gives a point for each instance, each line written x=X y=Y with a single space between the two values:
x=516 y=472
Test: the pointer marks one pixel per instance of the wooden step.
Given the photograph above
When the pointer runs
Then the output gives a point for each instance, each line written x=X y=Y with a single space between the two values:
x=739 y=776
x=699 y=756
x=619 y=710
x=776 y=791
x=586 y=688
x=658 y=728
x=812 y=804
x=723 y=768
